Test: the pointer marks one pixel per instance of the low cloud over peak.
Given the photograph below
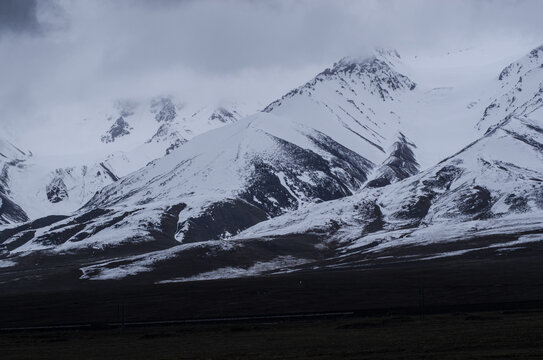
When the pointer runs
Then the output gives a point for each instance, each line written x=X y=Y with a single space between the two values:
x=99 y=51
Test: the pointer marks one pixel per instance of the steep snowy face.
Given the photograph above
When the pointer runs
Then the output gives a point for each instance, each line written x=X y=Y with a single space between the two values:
x=10 y=158
x=520 y=90
x=357 y=95
x=374 y=75
x=41 y=191
x=164 y=109
x=8 y=151
x=223 y=161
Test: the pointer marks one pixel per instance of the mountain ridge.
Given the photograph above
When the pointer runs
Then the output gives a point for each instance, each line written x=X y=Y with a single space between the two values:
x=307 y=184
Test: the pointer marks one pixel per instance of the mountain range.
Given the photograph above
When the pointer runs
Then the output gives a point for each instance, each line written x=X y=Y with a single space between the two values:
x=126 y=139
x=367 y=163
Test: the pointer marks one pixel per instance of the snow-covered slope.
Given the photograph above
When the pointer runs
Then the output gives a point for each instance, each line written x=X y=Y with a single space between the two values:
x=520 y=89
x=47 y=187
x=357 y=95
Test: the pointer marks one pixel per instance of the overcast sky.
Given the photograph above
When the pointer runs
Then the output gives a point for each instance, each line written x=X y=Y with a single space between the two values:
x=61 y=56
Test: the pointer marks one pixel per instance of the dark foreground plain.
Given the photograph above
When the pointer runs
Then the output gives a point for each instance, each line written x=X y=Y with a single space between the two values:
x=445 y=308
x=489 y=335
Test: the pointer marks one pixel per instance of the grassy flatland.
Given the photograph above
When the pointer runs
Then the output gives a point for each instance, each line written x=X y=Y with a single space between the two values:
x=468 y=305
x=489 y=335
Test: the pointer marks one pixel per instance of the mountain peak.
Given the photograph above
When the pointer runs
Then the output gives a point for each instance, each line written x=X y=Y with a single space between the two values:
x=348 y=61
x=377 y=68
x=382 y=54
x=380 y=59
x=374 y=74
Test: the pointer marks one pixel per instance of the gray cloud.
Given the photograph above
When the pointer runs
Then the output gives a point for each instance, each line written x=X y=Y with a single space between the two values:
x=95 y=52
x=18 y=16
x=31 y=17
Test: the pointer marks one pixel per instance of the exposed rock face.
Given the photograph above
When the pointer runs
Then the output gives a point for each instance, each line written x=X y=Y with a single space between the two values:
x=10 y=212
x=174 y=145
x=222 y=220
x=165 y=110
x=224 y=116
x=56 y=190
x=120 y=128
x=400 y=165
x=166 y=132
x=304 y=176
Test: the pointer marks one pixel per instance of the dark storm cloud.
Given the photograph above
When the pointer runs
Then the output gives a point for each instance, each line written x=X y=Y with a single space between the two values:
x=19 y=16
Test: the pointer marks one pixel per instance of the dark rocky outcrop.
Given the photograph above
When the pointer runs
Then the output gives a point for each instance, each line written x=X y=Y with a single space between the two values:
x=223 y=115
x=476 y=201
x=56 y=190
x=10 y=212
x=120 y=128
x=221 y=220
x=165 y=110
x=400 y=164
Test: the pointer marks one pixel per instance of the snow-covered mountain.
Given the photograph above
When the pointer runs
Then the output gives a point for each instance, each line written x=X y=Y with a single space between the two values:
x=317 y=143
x=328 y=175
x=133 y=134
x=166 y=121
x=483 y=201
x=360 y=96
x=486 y=197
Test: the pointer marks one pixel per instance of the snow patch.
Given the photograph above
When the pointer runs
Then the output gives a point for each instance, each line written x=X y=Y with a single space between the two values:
x=277 y=264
